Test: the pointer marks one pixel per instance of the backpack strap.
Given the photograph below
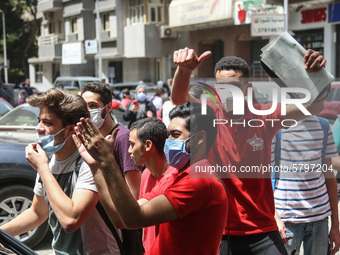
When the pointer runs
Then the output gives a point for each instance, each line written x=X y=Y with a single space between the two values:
x=112 y=228
x=336 y=132
x=277 y=154
x=79 y=161
x=325 y=127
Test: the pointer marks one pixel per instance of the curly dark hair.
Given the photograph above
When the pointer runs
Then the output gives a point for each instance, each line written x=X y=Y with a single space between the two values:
x=233 y=63
x=101 y=88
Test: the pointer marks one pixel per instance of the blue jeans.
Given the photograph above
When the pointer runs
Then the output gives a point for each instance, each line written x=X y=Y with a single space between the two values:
x=314 y=236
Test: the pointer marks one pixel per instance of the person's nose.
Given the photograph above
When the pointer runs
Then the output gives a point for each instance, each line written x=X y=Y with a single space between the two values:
x=40 y=128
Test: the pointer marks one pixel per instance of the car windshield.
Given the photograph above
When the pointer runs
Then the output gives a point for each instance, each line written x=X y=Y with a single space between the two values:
x=84 y=82
x=22 y=116
x=334 y=95
x=65 y=83
x=4 y=108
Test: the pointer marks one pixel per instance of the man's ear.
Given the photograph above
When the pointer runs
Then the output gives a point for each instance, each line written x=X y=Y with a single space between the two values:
x=70 y=130
x=201 y=137
x=108 y=107
x=148 y=145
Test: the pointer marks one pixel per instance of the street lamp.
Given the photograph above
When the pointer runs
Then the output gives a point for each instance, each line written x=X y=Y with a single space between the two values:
x=5 y=49
x=98 y=23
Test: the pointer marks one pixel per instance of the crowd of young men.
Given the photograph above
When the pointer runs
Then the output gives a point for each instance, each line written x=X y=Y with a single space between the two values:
x=181 y=210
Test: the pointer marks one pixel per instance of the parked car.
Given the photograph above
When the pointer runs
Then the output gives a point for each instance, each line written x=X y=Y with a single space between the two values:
x=4 y=106
x=20 y=122
x=117 y=115
x=17 y=180
x=332 y=103
x=74 y=83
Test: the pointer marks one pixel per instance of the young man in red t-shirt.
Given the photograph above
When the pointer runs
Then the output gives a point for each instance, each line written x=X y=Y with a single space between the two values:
x=252 y=228
x=147 y=139
x=191 y=207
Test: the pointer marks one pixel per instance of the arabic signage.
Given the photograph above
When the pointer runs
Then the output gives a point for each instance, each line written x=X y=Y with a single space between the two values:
x=189 y=12
x=73 y=53
x=267 y=24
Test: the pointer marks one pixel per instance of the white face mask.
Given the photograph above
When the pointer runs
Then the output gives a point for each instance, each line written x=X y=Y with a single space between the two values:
x=96 y=117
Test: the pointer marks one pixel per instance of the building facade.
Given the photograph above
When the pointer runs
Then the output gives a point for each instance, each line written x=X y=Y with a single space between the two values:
x=227 y=28
x=135 y=41
x=137 y=38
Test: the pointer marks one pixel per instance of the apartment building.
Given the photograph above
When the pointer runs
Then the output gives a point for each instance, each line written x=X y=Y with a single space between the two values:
x=137 y=37
x=134 y=38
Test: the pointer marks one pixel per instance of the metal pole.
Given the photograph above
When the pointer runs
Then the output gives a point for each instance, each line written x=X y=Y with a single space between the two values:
x=5 y=48
x=285 y=5
x=99 y=41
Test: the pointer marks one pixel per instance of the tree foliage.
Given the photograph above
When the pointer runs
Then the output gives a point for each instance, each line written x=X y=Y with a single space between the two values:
x=22 y=30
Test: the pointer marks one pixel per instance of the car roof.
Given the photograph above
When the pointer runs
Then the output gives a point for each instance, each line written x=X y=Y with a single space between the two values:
x=67 y=78
x=76 y=77
x=119 y=84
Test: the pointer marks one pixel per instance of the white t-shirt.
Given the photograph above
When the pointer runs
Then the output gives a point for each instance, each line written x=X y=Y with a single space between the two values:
x=93 y=237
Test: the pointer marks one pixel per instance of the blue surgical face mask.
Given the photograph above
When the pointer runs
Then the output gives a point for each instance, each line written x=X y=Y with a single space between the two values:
x=96 y=116
x=141 y=97
x=175 y=152
x=47 y=142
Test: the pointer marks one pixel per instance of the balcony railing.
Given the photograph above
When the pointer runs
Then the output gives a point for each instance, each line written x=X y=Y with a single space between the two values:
x=51 y=39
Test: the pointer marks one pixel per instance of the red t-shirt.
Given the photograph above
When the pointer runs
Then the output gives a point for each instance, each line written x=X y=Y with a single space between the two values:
x=148 y=182
x=202 y=206
x=251 y=201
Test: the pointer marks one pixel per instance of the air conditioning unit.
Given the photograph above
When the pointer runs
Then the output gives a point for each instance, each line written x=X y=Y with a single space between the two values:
x=167 y=32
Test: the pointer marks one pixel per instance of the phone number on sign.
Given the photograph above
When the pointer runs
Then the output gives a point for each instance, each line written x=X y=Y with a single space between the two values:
x=299 y=167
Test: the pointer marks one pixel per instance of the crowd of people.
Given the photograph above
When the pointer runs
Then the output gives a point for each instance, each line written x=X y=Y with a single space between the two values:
x=106 y=188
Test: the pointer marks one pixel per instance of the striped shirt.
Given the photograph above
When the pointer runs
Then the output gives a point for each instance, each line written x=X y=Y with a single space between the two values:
x=301 y=193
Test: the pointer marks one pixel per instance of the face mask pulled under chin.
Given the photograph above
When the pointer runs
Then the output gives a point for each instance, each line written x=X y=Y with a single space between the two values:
x=96 y=117
x=47 y=142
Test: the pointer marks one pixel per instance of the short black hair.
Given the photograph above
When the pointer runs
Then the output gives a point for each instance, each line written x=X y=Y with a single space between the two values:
x=195 y=121
x=101 y=88
x=233 y=63
x=151 y=129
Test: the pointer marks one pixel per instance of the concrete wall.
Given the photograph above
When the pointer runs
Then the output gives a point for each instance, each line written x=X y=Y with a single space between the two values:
x=201 y=40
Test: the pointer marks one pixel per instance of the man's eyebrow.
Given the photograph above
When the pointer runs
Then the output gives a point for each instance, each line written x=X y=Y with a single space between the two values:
x=175 y=130
x=92 y=102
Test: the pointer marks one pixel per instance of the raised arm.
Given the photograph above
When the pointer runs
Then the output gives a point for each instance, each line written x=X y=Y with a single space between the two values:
x=71 y=212
x=134 y=214
x=187 y=62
